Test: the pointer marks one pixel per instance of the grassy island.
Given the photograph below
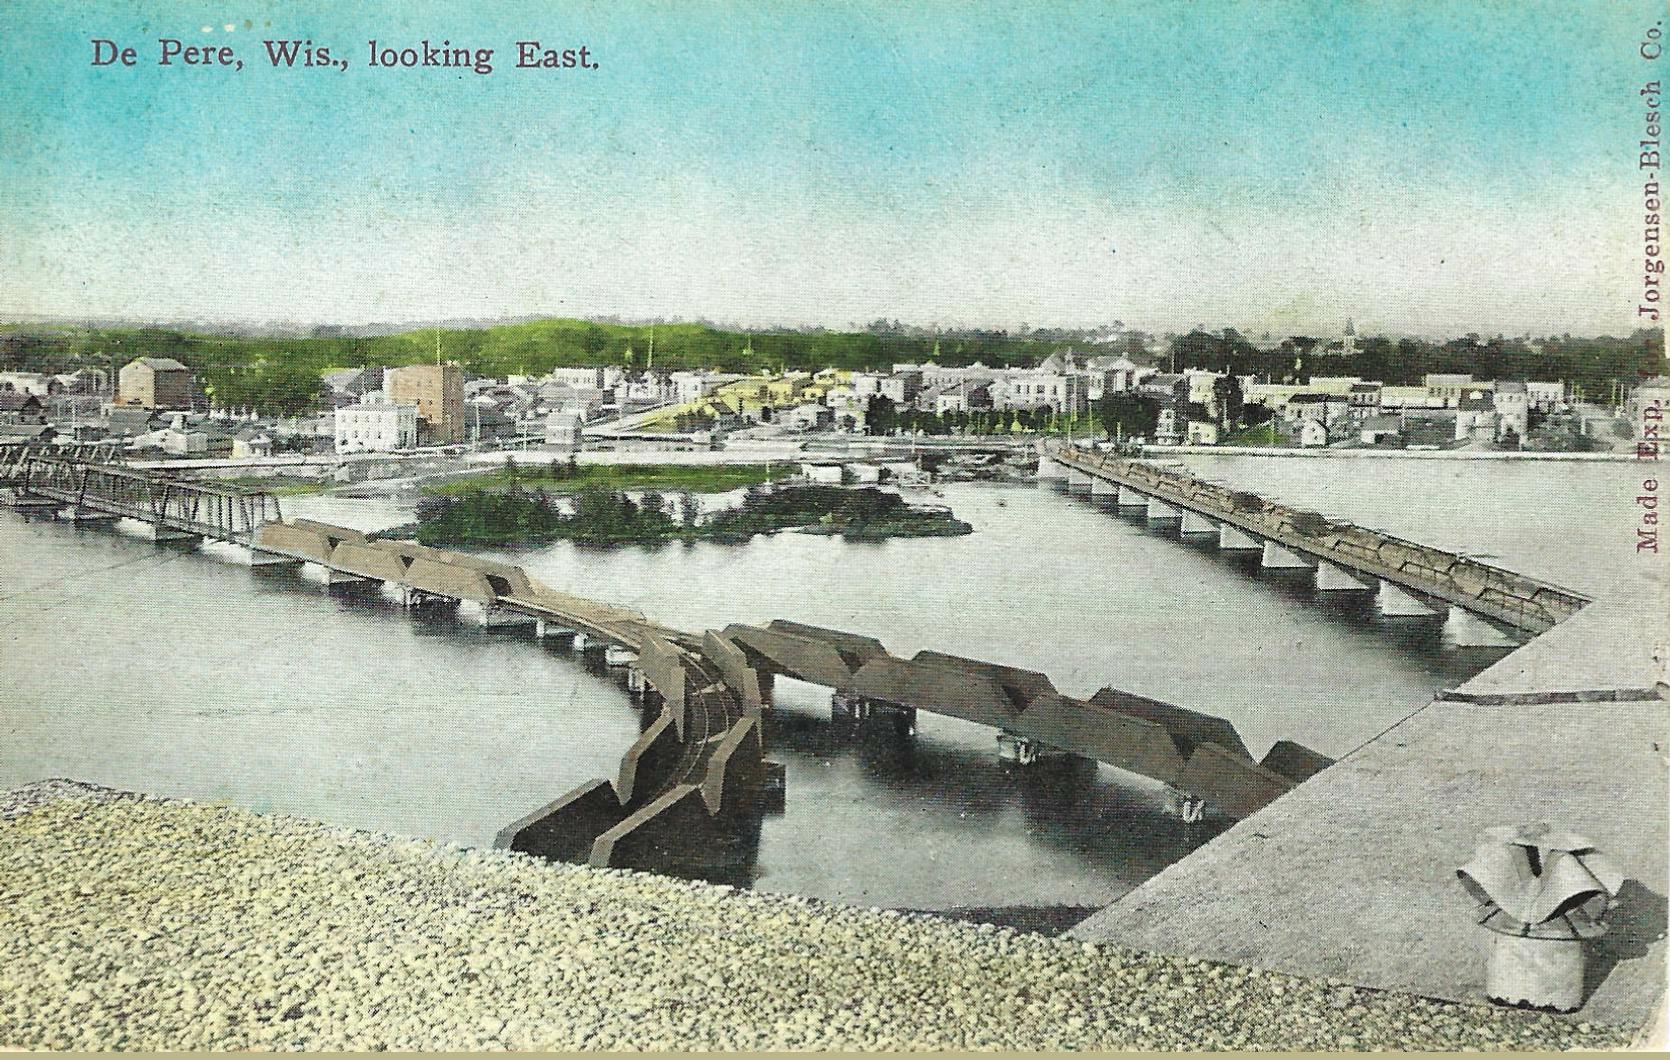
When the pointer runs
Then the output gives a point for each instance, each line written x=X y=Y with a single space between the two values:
x=516 y=516
x=560 y=476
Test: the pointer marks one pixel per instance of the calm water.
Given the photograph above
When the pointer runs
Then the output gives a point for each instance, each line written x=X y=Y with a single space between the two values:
x=184 y=673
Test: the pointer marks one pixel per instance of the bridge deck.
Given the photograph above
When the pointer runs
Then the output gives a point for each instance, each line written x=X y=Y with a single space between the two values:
x=1516 y=600
x=1198 y=754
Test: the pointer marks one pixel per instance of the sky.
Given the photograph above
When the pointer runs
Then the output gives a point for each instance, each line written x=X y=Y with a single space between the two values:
x=1277 y=166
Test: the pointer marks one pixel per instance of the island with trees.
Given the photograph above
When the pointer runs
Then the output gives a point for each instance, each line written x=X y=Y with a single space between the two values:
x=598 y=516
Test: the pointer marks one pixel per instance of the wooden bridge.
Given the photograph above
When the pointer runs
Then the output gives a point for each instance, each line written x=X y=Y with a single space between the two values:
x=1411 y=578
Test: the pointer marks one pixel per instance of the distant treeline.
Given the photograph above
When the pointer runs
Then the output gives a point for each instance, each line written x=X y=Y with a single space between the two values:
x=1592 y=364
x=281 y=375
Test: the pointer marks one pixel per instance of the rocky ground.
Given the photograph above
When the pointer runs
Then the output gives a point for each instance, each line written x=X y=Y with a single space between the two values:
x=137 y=923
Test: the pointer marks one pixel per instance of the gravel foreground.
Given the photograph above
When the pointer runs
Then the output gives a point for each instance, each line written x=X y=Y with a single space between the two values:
x=128 y=922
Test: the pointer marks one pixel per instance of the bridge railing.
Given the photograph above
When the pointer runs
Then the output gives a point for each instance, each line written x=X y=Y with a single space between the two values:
x=1521 y=601
x=209 y=509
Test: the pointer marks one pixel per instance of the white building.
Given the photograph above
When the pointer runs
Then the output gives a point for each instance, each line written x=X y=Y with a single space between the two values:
x=807 y=417
x=564 y=429
x=1059 y=392
x=1339 y=385
x=1400 y=398
x=1649 y=392
x=690 y=387
x=1475 y=415
x=1203 y=432
x=1546 y=397
x=1512 y=402
x=376 y=427
x=1445 y=388
x=1203 y=388
x=824 y=474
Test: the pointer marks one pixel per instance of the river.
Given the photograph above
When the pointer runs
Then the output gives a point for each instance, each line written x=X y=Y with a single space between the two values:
x=183 y=673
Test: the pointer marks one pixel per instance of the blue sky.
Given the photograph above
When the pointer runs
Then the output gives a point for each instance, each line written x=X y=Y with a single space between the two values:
x=1419 y=166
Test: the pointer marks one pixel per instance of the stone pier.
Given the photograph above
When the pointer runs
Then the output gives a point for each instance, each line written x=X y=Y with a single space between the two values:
x=492 y=616
x=855 y=709
x=546 y=627
x=332 y=578
x=262 y=558
x=1467 y=630
x=1130 y=498
x=1194 y=523
x=1232 y=539
x=1161 y=512
x=1185 y=807
x=168 y=535
x=86 y=516
x=1331 y=577
x=1394 y=602
x=1279 y=558
x=1023 y=750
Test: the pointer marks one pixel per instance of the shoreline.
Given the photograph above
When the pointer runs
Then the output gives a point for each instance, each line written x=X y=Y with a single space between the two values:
x=166 y=924
x=1151 y=451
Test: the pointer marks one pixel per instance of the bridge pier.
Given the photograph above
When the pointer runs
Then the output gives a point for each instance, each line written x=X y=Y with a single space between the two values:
x=29 y=503
x=1195 y=523
x=1049 y=469
x=1330 y=577
x=1234 y=539
x=1023 y=750
x=87 y=516
x=1467 y=630
x=492 y=616
x=636 y=683
x=590 y=643
x=1394 y=602
x=1161 y=512
x=1278 y=558
x=262 y=558
x=332 y=578
x=167 y=535
x=1185 y=807
x=856 y=709
x=416 y=599
x=550 y=627
x=1101 y=487
x=1130 y=498
x=1078 y=481
x=619 y=655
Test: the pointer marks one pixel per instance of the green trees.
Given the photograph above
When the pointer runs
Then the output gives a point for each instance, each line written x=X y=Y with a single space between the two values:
x=610 y=517
x=1227 y=397
x=1126 y=413
x=881 y=418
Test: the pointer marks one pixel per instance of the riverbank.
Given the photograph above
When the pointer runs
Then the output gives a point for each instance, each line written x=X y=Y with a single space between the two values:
x=136 y=923
x=1153 y=451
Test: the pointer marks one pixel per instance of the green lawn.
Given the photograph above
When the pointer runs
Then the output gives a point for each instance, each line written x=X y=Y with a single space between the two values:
x=1261 y=435
x=563 y=478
